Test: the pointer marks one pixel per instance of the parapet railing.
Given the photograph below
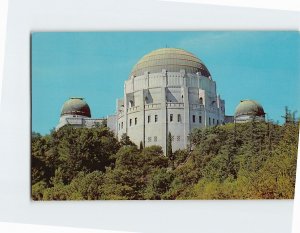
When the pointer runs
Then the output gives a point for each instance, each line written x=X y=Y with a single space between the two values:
x=174 y=105
x=73 y=121
x=197 y=106
x=152 y=106
x=133 y=109
x=207 y=108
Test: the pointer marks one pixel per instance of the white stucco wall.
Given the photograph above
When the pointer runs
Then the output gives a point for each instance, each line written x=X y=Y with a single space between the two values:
x=79 y=121
x=162 y=94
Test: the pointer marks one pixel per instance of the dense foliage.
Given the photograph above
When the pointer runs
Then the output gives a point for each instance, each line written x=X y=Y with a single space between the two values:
x=233 y=161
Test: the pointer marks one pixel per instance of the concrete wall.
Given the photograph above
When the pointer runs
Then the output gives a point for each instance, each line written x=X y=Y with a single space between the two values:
x=248 y=118
x=80 y=121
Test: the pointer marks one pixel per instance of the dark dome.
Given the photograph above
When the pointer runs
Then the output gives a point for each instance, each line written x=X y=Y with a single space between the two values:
x=249 y=107
x=171 y=59
x=76 y=106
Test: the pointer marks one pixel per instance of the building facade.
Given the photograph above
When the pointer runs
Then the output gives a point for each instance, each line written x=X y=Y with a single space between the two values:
x=168 y=91
x=76 y=112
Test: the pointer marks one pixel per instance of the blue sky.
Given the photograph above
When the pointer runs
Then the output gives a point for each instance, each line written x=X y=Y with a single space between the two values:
x=263 y=66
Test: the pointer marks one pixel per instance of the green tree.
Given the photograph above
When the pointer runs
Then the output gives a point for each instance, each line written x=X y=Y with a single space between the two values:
x=169 y=147
x=254 y=160
x=159 y=184
x=125 y=140
x=141 y=146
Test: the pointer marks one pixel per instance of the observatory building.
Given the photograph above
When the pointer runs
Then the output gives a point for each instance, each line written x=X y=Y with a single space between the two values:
x=171 y=91
x=249 y=110
x=168 y=92
x=76 y=112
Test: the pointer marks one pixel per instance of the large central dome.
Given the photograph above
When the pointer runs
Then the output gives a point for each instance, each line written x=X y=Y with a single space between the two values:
x=171 y=59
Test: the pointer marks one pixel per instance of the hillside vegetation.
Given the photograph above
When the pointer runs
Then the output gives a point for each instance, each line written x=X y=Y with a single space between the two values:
x=243 y=161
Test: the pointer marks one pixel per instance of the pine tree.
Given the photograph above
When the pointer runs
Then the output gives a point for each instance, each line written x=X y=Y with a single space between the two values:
x=169 y=146
x=141 y=146
x=125 y=140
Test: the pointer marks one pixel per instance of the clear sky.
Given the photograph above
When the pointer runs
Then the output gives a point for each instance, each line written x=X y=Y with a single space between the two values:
x=263 y=66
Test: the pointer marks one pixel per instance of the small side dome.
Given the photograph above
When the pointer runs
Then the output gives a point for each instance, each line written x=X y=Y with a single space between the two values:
x=76 y=106
x=249 y=108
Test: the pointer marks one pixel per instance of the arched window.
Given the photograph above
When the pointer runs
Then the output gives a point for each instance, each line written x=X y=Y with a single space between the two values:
x=178 y=118
x=201 y=100
x=171 y=117
x=131 y=104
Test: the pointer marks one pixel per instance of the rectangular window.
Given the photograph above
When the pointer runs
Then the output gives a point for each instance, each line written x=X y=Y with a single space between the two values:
x=217 y=122
x=122 y=125
x=171 y=117
x=135 y=120
x=149 y=119
x=213 y=121
x=178 y=138
x=149 y=139
x=200 y=119
x=209 y=121
x=130 y=122
x=179 y=118
x=155 y=118
x=155 y=138
x=194 y=118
